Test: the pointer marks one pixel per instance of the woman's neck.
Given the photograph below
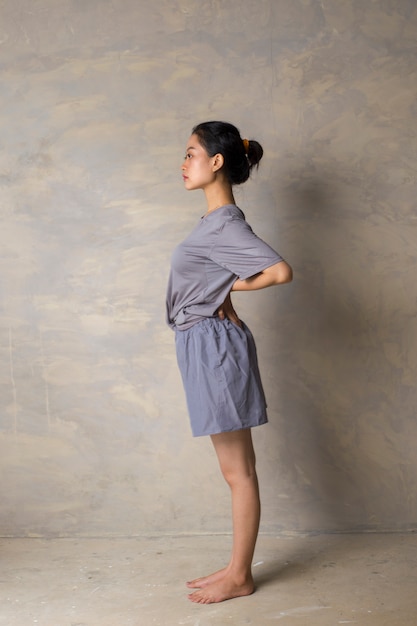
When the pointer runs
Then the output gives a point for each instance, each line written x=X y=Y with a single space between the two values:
x=218 y=196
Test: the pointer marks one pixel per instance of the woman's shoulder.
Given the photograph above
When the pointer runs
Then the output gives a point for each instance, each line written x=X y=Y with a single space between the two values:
x=230 y=211
x=224 y=218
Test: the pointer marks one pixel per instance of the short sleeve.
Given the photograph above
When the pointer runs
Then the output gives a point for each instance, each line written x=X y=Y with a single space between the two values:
x=240 y=251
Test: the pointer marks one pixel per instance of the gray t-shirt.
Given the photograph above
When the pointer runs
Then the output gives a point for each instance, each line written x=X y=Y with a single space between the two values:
x=220 y=249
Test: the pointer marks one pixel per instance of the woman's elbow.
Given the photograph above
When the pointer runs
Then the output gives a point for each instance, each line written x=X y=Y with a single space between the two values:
x=283 y=273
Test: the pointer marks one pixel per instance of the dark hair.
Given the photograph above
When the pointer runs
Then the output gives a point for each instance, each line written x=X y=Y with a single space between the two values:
x=224 y=138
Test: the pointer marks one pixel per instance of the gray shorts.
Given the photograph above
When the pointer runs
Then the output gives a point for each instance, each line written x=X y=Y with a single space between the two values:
x=219 y=369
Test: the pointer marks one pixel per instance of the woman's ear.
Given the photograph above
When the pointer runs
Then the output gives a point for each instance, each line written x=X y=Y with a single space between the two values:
x=218 y=162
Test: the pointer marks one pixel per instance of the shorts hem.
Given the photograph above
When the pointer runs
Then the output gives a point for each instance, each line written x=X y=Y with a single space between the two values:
x=228 y=430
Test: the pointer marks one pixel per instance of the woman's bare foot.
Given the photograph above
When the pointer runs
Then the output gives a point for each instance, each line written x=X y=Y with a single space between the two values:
x=205 y=581
x=224 y=589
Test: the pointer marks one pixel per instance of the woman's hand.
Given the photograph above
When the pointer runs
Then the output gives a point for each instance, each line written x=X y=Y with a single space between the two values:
x=226 y=311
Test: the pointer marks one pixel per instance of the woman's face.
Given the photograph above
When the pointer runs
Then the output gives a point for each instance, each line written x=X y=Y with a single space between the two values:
x=198 y=168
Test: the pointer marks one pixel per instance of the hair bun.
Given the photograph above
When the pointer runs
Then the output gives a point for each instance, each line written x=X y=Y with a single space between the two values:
x=254 y=153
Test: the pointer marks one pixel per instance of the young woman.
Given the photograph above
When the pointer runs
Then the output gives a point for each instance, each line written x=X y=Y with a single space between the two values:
x=215 y=350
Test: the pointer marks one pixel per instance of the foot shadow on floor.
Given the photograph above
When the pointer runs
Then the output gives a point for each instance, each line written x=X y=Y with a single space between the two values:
x=306 y=557
x=270 y=573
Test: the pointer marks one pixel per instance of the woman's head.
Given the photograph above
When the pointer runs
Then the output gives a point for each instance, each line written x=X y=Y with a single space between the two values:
x=240 y=155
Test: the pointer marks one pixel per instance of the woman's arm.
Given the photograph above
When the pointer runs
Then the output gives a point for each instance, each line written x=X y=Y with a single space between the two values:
x=277 y=274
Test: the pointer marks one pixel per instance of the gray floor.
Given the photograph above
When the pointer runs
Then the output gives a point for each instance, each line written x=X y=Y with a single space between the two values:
x=321 y=580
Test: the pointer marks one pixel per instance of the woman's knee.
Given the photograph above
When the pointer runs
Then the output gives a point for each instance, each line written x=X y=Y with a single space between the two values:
x=239 y=473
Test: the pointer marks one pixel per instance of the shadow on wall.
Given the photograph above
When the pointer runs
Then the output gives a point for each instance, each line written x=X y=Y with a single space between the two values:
x=341 y=439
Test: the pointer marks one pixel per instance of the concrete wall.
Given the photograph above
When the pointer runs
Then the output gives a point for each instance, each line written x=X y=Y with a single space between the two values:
x=97 y=102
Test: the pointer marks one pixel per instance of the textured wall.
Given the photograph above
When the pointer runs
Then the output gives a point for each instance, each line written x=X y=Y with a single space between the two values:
x=97 y=101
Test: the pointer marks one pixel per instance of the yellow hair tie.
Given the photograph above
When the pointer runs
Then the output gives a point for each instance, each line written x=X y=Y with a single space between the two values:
x=246 y=146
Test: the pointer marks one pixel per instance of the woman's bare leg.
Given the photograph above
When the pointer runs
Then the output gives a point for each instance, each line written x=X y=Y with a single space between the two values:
x=237 y=463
